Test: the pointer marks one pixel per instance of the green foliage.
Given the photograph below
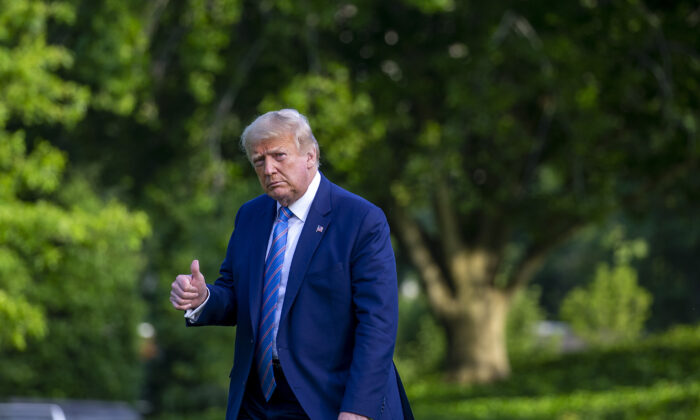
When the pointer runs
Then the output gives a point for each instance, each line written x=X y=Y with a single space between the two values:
x=189 y=375
x=30 y=89
x=210 y=413
x=612 y=308
x=69 y=267
x=22 y=174
x=523 y=316
x=660 y=248
x=69 y=262
x=420 y=344
x=538 y=118
x=30 y=92
x=662 y=401
x=341 y=118
x=38 y=172
x=432 y=6
x=109 y=40
x=670 y=271
x=21 y=319
x=656 y=378
x=206 y=39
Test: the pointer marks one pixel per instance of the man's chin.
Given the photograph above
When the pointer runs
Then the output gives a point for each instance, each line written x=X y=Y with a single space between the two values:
x=283 y=197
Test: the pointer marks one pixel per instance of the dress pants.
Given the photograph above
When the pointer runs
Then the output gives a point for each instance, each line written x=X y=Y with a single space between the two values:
x=282 y=405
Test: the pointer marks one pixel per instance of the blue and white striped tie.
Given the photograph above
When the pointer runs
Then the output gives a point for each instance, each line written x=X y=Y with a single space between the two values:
x=273 y=274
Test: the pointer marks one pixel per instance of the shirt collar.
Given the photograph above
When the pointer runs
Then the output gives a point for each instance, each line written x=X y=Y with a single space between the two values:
x=301 y=207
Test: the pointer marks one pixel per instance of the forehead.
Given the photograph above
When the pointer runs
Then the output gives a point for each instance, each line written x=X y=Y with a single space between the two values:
x=272 y=144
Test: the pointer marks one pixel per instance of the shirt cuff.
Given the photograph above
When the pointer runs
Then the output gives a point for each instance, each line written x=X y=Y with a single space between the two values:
x=192 y=315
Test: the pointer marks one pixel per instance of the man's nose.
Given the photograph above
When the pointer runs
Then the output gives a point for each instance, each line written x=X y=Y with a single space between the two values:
x=270 y=167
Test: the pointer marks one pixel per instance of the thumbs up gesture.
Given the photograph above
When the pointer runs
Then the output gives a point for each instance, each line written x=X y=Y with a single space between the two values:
x=188 y=291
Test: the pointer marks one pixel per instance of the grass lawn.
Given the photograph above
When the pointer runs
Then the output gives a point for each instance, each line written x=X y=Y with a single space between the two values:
x=657 y=378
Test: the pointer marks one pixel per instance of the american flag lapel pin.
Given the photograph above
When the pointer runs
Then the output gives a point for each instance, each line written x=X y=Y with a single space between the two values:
x=319 y=228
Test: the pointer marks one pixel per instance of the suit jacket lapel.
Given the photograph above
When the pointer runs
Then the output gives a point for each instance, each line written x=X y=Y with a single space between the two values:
x=311 y=235
x=258 y=248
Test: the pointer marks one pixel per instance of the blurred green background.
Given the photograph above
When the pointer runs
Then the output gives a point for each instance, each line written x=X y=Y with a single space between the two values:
x=537 y=162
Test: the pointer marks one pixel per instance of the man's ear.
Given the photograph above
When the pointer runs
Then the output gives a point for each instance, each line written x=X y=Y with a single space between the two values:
x=311 y=158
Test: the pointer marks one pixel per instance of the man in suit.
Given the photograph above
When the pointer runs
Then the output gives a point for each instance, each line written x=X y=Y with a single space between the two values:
x=310 y=281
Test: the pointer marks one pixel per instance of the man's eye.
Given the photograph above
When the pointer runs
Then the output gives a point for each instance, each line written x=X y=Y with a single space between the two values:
x=279 y=156
x=258 y=162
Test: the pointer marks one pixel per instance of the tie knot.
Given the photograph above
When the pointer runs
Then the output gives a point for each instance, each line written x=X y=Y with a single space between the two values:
x=284 y=214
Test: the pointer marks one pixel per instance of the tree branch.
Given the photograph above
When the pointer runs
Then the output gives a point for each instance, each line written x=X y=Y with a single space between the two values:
x=671 y=176
x=449 y=225
x=154 y=12
x=223 y=107
x=536 y=254
x=439 y=294
x=533 y=159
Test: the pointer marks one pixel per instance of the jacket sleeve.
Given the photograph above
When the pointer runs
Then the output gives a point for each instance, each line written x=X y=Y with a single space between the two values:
x=375 y=306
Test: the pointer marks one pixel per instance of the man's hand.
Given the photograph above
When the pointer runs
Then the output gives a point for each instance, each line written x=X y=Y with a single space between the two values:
x=351 y=416
x=188 y=291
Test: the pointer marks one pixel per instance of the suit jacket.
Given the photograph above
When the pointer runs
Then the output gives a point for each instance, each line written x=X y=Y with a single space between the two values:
x=340 y=313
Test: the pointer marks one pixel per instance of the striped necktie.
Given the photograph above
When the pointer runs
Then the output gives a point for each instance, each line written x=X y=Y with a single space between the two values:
x=273 y=275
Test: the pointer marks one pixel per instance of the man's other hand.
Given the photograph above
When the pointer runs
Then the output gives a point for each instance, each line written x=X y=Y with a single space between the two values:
x=188 y=291
x=351 y=416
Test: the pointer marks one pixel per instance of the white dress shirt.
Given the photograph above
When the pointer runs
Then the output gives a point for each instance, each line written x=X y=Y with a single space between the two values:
x=300 y=210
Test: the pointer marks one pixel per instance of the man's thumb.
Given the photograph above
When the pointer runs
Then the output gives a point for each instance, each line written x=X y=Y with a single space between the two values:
x=194 y=268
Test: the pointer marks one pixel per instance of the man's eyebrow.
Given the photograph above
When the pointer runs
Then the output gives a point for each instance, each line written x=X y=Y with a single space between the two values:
x=258 y=156
x=280 y=149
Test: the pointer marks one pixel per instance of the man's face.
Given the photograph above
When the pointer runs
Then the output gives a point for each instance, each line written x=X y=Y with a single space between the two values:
x=284 y=171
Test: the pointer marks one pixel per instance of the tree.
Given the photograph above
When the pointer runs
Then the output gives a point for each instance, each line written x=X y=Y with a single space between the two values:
x=70 y=264
x=69 y=261
x=488 y=133
x=30 y=93
x=502 y=133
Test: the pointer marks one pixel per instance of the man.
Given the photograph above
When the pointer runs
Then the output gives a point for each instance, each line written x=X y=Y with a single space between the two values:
x=309 y=279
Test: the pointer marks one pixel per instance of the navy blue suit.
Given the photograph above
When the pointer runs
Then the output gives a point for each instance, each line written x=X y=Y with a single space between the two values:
x=340 y=313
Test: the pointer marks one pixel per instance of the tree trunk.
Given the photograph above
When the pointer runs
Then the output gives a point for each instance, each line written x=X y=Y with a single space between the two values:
x=476 y=344
x=471 y=308
x=462 y=287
